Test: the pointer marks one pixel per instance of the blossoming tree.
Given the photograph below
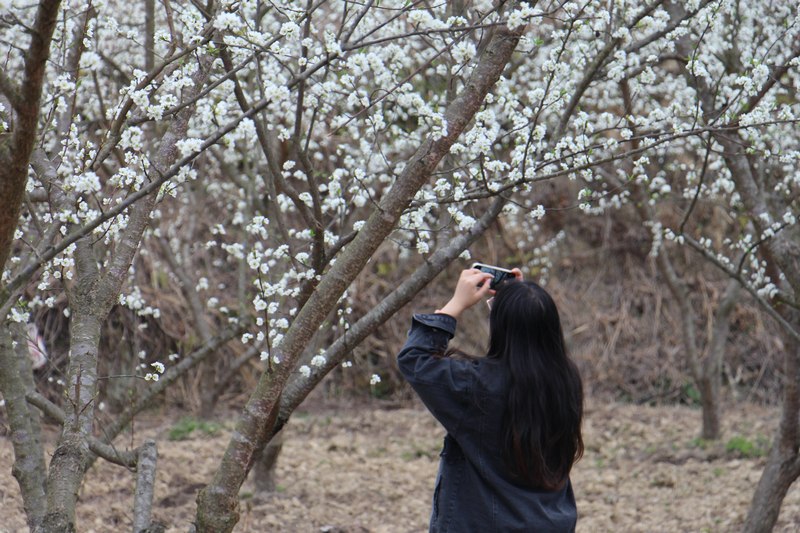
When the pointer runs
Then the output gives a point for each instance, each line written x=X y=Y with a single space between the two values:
x=261 y=154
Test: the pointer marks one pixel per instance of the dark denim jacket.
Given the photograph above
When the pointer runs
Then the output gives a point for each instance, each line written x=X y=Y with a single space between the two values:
x=474 y=491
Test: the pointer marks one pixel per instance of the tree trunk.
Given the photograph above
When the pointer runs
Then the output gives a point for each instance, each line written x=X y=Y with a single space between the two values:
x=16 y=379
x=778 y=475
x=72 y=455
x=708 y=387
x=15 y=152
x=706 y=377
x=265 y=463
x=710 y=382
x=783 y=463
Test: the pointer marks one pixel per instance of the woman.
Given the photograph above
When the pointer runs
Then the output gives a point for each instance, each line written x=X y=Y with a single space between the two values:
x=513 y=418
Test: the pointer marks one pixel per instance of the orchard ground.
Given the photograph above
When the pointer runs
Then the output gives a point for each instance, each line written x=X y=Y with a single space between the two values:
x=369 y=468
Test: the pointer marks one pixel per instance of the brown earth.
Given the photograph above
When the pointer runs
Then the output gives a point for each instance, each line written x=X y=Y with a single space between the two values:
x=372 y=469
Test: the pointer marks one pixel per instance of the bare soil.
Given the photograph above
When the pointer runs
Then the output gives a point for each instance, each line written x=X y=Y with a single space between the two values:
x=371 y=469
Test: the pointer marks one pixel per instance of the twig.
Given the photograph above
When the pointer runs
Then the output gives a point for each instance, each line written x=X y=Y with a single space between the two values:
x=98 y=447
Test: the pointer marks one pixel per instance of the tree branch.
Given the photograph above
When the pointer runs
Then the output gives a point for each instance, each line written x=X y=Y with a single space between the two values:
x=788 y=327
x=10 y=90
x=98 y=447
x=15 y=152
x=298 y=388
x=172 y=374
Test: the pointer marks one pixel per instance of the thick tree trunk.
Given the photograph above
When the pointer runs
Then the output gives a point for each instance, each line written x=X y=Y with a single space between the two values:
x=16 y=379
x=783 y=463
x=72 y=455
x=781 y=471
x=91 y=299
x=218 y=503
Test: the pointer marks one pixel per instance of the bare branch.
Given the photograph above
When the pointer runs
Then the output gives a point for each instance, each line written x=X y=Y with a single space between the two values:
x=98 y=447
x=733 y=274
x=173 y=373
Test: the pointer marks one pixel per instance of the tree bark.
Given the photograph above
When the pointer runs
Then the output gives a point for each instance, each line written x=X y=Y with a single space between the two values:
x=149 y=35
x=783 y=462
x=15 y=155
x=217 y=504
x=265 y=462
x=72 y=455
x=779 y=473
x=15 y=151
x=710 y=382
x=98 y=447
x=146 y=462
x=16 y=379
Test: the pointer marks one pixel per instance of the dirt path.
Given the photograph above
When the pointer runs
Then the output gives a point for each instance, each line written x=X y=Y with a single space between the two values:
x=372 y=470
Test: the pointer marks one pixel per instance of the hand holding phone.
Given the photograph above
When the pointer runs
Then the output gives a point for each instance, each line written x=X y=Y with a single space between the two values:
x=470 y=289
x=499 y=274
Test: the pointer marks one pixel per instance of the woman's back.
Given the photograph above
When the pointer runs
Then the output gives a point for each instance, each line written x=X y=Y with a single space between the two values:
x=475 y=488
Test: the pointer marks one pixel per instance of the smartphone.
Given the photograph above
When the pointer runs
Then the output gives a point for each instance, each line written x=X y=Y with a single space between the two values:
x=500 y=274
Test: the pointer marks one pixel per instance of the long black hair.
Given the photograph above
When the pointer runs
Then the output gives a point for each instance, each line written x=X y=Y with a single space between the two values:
x=542 y=422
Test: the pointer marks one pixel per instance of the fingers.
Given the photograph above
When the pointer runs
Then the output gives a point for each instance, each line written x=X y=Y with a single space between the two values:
x=467 y=292
x=485 y=289
x=517 y=274
x=473 y=285
x=476 y=277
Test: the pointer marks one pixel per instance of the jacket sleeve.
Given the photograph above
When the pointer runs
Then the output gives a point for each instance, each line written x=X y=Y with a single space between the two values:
x=442 y=383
